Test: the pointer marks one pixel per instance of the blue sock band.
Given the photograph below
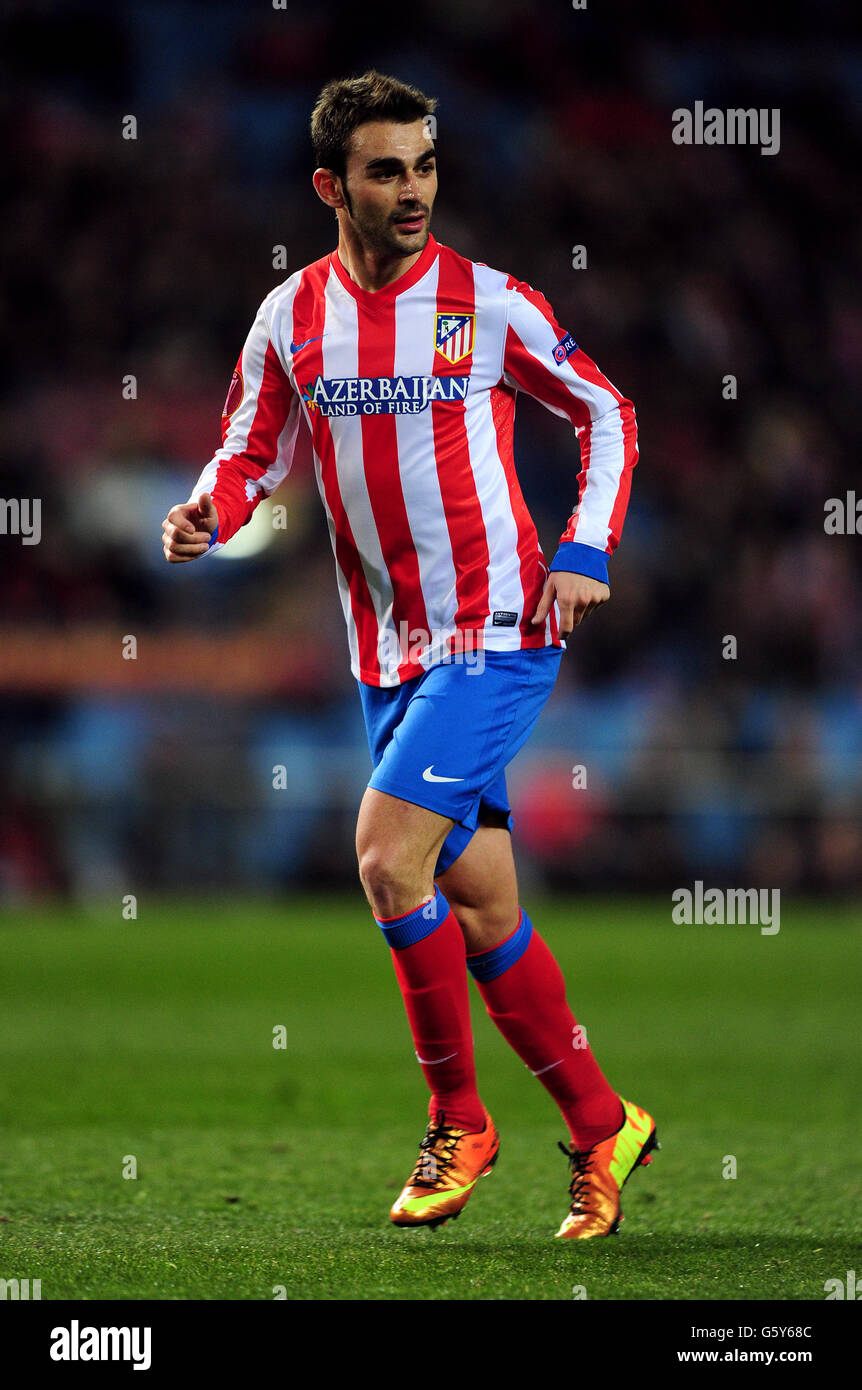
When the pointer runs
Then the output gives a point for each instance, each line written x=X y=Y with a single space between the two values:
x=416 y=925
x=487 y=965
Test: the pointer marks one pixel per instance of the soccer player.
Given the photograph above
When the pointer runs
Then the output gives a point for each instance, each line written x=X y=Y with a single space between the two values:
x=404 y=361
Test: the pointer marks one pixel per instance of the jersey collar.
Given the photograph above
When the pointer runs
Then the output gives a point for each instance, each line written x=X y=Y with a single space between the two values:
x=388 y=293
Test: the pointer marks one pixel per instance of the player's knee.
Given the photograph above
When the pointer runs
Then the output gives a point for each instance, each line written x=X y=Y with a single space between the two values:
x=389 y=879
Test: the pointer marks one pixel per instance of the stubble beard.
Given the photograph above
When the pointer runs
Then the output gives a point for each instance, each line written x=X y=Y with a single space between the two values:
x=377 y=234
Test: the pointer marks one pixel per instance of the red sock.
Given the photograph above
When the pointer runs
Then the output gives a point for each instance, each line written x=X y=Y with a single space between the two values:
x=525 y=994
x=429 y=956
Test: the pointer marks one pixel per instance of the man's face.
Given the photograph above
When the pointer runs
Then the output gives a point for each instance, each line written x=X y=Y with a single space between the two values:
x=391 y=184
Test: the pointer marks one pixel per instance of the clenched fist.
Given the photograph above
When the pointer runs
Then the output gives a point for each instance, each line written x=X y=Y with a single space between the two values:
x=187 y=529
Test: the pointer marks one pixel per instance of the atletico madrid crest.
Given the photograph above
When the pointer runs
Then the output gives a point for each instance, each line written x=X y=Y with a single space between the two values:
x=453 y=337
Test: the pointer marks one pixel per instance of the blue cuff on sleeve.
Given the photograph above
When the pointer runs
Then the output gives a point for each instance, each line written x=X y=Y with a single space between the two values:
x=214 y=537
x=581 y=559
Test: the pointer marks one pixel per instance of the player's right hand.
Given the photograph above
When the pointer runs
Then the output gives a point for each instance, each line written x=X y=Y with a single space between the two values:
x=187 y=528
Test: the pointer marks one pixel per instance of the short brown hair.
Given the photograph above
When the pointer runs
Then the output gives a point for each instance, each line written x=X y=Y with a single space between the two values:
x=349 y=102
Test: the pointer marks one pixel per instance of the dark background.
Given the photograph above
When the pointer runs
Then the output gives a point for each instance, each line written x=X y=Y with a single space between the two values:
x=149 y=257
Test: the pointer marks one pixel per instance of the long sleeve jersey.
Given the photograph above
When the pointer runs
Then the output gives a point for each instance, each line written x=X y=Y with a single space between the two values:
x=409 y=394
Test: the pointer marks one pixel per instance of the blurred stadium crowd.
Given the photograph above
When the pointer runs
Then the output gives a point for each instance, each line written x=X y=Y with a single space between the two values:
x=148 y=257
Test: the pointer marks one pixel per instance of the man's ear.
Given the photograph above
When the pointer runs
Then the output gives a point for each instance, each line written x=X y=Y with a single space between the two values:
x=327 y=186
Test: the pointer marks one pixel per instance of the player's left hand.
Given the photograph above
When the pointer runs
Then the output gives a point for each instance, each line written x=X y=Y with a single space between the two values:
x=576 y=596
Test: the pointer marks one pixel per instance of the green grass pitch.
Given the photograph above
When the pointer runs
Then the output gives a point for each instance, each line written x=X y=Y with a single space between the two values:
x=260 y=1168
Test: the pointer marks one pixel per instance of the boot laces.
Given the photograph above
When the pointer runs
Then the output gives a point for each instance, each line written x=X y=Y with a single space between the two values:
x=579 y=1187
x=436 y=1152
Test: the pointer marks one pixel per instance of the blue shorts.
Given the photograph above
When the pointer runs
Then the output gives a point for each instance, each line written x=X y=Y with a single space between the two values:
x=442 y=740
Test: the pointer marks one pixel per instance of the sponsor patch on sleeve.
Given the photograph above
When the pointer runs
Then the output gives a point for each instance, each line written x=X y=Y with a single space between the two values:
x=565 y=347
x=234 y=395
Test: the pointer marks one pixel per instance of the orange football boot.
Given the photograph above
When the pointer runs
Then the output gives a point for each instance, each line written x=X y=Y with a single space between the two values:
x=450 y=1163
x=599 y=1175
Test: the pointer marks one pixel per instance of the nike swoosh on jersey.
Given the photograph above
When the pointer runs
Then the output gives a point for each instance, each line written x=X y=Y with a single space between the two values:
x=429 y=776
x=297 y=347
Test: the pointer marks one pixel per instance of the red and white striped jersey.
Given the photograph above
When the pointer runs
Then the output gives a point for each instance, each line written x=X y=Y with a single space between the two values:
x=409 y=394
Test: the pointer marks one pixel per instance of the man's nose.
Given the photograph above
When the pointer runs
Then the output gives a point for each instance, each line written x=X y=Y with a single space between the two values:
x=410 y=190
